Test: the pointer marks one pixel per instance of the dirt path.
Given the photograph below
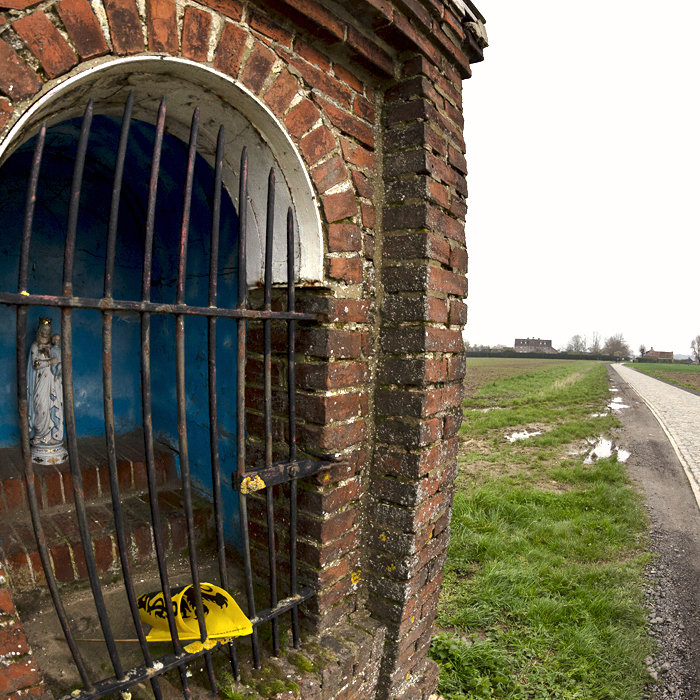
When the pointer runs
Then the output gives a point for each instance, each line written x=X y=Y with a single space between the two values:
x=673 y=592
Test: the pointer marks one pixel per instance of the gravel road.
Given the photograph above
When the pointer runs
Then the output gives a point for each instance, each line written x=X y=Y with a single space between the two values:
x=673 y=588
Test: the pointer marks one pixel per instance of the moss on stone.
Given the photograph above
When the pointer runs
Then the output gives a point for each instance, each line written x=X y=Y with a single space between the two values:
x=301 y=662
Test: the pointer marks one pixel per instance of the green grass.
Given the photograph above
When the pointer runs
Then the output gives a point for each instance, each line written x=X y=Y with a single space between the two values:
x=667 y=372
x=542 y=596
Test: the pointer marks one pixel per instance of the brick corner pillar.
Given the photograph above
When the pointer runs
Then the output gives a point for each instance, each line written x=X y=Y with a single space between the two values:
x=420 y=370
x=19 y=675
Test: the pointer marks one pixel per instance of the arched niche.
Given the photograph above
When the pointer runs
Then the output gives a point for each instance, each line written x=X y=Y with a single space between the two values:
x=248 y=122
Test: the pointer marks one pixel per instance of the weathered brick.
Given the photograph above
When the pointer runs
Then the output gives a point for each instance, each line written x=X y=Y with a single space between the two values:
x=403 y=340
x=6 y=110
x=417 y=86
x=344 y=238
x=365 y=109
x=369 y=54
x=257 y=68
x=325 y=25
x=332 y=438
x=347 y=122
x=281 y=93
x=347 y=77
x=457 y=159
x=410 y=434
x=415 y=134
x=349 y=270
x=195 y=34
x=162 y=26
x=458 y=313
x=270 y=29
x=325 y=502
x=7 y=606
x=325 y=409
x=368 y=215
x=334 y=375
x=329 y=529
x=230 y=50
x=124 y=26
x=417 y=245
x=311 y=55
x=321 y=555
x=19 y=675
x=302 y=117
x=329 y=174
x=357 y=155
x=418 y=404
x=417 y=372
x=319 y=79
x=402 y=309
x=330 y=343
x=230 y=8
x=424 y=278
x=339 y=206
x=46 y=43
x=457 y=363
x=317 y=144
x=363 y=184
x=452 y=424
x=82 y=27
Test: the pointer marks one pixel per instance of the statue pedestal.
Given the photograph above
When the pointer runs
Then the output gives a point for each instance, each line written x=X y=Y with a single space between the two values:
x=49 y=454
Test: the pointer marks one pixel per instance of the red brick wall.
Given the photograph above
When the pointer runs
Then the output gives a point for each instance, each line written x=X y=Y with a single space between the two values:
x=372 y=98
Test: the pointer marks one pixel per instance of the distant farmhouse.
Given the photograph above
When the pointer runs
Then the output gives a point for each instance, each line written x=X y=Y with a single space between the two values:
x=658 y=354
x=534 y=345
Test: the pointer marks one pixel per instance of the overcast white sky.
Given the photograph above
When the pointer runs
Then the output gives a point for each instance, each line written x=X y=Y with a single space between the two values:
x=583 y=145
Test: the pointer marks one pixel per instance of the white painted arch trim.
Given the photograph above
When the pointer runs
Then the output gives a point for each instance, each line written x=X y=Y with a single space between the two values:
x=247 y=121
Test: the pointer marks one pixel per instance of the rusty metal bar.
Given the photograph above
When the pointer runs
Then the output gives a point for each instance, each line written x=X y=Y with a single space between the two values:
x=116 y=197
x=68 y=405
x=267 y=359
x=107 y=383
x=291 y=399
x=182 y=393
x=240 y=394
x=213 y=408
x=146 y=395
x=13 y=299
x=23 y=411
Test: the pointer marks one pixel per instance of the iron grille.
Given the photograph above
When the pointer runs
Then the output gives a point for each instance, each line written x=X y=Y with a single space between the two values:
x=266 y=476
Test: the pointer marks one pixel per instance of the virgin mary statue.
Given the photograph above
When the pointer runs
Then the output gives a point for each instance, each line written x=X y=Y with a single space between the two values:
x=45 y=397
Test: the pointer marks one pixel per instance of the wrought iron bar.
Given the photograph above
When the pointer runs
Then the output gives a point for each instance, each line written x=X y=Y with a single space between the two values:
x=13 y=299
x=291 y=399
x=23 y=411
x=182 y=394
x=146 y=396
x=68 y=405
x=267 y=359
x=240 y=395
x=213 y=408
x=107 y=383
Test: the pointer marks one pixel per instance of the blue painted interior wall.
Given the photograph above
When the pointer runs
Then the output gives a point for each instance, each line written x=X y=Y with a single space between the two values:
x=46 y=268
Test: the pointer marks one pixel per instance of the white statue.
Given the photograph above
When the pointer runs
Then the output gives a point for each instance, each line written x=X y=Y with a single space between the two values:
x=45 y=396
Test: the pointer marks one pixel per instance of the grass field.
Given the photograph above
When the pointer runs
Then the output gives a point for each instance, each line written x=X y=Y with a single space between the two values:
x=687 y=376
x=542 y=595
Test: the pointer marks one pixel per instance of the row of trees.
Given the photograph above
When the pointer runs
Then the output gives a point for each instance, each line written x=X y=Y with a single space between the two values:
x=613 y=345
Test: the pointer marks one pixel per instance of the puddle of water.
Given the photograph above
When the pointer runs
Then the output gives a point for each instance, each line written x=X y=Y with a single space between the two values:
x=598 y=415
x=522 y=436
x=603 y=449
x=614 y=390
x=617 y=404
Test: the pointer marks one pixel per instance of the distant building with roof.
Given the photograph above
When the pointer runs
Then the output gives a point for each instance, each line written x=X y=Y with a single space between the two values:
x=659 y=354
x=534 y=345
